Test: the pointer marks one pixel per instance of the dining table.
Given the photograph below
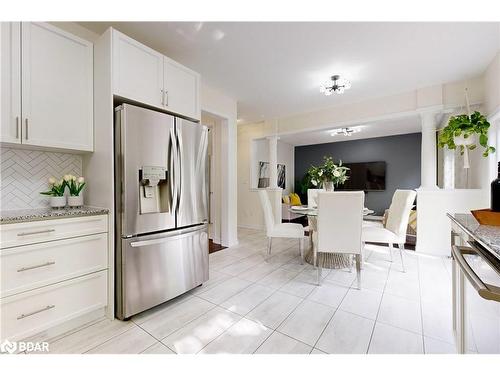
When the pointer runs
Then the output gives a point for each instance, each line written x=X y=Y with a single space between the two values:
x=327 y=260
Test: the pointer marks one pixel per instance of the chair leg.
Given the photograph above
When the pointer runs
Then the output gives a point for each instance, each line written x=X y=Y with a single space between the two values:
x=390 y=251
x=358 y=269
x=315 y=256
x=351 y=262
x=401 y=251
x=362 y=255
x=301 y=248
x=319 y=274
x=269 y=245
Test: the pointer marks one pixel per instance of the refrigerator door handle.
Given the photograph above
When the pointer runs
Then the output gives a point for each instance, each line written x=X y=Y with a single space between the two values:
x=172 y=172
x=173 y=236
x=179 y=170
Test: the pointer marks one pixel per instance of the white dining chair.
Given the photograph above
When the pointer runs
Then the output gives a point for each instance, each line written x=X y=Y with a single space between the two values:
x=396 y=226
x=280 y=230
x=312 y=197
x=339 y=222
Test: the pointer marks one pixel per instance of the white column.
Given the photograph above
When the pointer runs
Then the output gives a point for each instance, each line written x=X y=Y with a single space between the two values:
x=273 y=161
x=429 y=155
x=273 y=190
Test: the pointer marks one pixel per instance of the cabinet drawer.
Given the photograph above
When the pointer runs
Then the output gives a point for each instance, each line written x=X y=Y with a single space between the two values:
x=49 y=230
x=28 y=313
x=28 y=267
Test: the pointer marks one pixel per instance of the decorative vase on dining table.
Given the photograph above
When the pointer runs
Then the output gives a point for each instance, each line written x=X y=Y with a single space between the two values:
x=328 y=186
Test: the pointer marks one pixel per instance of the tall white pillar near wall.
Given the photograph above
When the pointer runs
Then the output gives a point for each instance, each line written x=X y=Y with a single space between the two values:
x=273 y=161
x=429 y=155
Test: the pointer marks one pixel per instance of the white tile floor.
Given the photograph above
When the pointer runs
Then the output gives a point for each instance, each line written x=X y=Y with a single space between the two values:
x=254 y=305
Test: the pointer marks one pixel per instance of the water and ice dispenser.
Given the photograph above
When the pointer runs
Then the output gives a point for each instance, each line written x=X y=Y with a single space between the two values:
x=153 y=190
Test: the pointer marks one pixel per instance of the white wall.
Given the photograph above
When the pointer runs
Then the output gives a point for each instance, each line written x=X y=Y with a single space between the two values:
x=433 y=226
x=260 y=152
x=217 y=103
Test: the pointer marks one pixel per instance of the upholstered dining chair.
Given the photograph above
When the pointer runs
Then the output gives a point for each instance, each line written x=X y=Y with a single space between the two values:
x=280 y=230
x=312 y=197
x=396 y=225
x=340 y=221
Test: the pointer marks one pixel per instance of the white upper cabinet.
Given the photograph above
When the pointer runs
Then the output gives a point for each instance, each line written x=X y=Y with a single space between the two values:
x=10 y=82
x=46 y=87
x=143 y=75
x=181 y=89
x=57 y=88
x=137 y=71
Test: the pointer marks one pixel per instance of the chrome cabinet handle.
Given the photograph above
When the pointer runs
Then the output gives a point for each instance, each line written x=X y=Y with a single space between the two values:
x=166 y=96
x=17 y=127
x=48 y=307
x=37 y=232
x=37 y=266
x=486 y=291
x=26 y=126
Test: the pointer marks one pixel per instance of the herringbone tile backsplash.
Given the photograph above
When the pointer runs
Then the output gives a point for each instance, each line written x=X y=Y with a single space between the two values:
x=24 y=174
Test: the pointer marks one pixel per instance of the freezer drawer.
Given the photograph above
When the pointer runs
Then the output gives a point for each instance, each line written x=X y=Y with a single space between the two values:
x=153 y=269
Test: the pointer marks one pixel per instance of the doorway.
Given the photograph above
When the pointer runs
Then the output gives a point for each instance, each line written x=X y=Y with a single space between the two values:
x=214 y=124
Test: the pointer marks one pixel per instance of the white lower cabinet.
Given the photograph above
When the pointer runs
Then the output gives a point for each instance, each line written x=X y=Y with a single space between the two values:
x=52 y=272
x=29 y=313
x=32 y=266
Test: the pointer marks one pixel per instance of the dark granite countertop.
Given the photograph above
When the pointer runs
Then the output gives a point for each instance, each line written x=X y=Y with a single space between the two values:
x=26 y=215
x=487 y=235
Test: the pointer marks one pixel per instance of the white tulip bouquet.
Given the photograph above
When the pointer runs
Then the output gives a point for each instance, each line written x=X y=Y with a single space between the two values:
x=56 y=188
x=75 y=184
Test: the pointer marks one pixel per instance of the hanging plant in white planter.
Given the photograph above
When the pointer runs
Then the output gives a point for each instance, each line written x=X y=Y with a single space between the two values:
x=463 y=132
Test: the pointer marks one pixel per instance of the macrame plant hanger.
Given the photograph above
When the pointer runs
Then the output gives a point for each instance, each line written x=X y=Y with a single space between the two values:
x=466 y=150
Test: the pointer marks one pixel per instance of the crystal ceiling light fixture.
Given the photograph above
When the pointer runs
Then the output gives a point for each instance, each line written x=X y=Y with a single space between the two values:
x=335 y=85
x=347 y=132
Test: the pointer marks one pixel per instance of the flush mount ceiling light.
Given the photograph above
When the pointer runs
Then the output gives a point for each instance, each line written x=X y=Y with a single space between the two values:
x=347 y=132
x=335 y=85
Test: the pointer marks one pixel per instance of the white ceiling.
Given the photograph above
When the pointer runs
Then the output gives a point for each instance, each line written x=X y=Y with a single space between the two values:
x=275 y=69
x=410 y=124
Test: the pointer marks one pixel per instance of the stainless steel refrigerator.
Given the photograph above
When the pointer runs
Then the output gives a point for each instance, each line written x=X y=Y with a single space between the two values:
x=161 y=202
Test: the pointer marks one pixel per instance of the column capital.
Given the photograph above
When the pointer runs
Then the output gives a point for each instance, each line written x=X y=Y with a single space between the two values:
x=428 y=121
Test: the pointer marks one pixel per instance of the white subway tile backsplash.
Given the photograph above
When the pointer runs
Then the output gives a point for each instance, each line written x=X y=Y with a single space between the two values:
x=24 y=174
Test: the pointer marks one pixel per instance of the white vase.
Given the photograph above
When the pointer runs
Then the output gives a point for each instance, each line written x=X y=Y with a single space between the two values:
x=75 y=201
x=328 y=185
x=469 y=141
x=57 y=202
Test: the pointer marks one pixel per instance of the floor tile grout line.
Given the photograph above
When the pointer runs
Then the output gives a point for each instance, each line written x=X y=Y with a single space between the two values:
x=190 y=321
x=78 y=329
x=110 y=338
x=421 y=309
x=329 y=320
x=156 y=343
x=378 y=311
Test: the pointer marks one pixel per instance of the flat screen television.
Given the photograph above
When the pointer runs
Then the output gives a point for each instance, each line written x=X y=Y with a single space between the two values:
x=368 y=176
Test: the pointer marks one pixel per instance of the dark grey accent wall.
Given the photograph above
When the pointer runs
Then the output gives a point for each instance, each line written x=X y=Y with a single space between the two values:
x=400 y=152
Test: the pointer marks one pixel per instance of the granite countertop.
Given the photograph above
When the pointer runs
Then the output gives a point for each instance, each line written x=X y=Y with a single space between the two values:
x=26 y=215
x=487 y=235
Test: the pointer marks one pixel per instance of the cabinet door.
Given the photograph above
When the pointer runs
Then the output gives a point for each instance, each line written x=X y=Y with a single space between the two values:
x=182 y=90
x=137 y=71
x=10 y=82
x=57 y=88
